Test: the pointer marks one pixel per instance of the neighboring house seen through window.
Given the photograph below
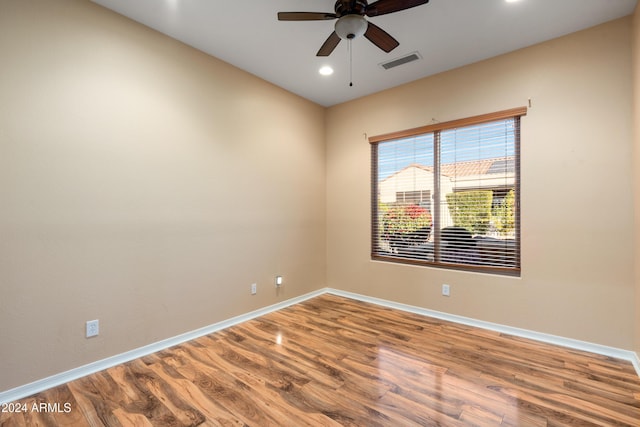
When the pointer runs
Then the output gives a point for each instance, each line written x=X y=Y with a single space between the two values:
x=448 y=195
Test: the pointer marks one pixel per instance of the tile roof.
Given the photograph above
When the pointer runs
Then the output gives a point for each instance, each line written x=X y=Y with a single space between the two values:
x=474 y=167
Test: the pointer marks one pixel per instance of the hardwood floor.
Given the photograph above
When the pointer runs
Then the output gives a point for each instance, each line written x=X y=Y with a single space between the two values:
x=333 y=361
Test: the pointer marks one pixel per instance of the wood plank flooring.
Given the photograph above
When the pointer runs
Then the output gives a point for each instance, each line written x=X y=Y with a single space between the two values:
x=332 y=361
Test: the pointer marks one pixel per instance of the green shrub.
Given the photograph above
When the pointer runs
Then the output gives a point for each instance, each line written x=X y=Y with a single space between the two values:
x=471 y=210
x=504 y=214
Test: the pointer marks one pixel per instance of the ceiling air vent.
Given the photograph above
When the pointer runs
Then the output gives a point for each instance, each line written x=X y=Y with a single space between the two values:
x=414 y=56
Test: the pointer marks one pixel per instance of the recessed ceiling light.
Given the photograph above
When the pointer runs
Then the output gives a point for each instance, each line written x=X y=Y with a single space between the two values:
x=326 y=70
x=512 y=1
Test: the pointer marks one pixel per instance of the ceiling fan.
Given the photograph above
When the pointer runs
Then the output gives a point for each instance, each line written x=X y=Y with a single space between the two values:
x=351 y=21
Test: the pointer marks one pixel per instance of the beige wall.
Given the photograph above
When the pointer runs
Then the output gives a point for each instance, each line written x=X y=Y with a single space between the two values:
x=577 y=245
x=636 y=164
x=144 y=184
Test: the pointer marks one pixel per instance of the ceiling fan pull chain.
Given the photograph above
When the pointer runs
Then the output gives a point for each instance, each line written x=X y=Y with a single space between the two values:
x=350 y=64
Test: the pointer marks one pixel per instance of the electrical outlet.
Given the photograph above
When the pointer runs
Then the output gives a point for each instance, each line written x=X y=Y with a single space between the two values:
x=254 y=288
x=446 y=290
x=93 y=328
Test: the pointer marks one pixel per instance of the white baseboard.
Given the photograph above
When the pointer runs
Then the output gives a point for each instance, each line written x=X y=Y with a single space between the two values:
x=73 y=374
x=523 y=333
x=635 y=359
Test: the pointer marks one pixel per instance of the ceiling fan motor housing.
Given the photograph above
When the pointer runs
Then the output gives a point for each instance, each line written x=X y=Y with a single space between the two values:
x=348 y=7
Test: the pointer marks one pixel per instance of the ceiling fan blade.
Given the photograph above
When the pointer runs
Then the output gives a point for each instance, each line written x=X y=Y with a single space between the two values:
x=329 y=45
x=305 y=16
x=382 y=7
x=380 y=38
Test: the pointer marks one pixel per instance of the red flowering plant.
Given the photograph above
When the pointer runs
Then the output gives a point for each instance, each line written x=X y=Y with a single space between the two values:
x=404 y=219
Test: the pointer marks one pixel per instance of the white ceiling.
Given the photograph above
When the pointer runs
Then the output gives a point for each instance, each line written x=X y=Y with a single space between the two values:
x=446 y=33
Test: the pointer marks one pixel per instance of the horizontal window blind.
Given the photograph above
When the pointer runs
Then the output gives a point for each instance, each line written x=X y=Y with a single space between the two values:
x=448 y=195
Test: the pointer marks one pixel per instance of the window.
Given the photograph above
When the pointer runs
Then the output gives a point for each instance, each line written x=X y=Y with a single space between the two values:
x=448 y=195
x=413 y=197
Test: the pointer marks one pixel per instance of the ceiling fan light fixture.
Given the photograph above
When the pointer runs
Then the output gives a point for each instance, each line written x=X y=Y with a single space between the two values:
x=351 y=26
